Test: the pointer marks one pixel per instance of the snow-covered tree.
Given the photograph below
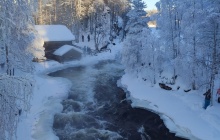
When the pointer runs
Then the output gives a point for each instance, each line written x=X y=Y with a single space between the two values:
x=19 y=45
x=15 y=93
x=80 y=16
x=137 y=17
x=117 y=8
x=189 y=37
x=169 y=23
x=188 y=42
x=137 y=22
x=210 y=44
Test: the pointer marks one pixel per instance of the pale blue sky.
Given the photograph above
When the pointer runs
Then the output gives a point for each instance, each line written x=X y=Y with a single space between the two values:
x=150 y=4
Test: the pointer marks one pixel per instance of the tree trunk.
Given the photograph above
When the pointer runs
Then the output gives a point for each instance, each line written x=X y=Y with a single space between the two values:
x=55 y=10
x=40 y=17
x=7 y=60
x=214 y=67
x=95 y=36
x=193 y=67
x=194 y=51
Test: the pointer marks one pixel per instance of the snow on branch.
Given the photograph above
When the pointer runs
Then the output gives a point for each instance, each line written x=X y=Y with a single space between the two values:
x=15 y=94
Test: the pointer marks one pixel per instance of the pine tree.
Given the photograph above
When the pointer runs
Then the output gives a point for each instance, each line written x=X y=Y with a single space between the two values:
x=137 y=22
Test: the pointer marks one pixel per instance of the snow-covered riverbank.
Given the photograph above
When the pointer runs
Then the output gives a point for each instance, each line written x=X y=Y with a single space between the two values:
x=182 y=112
x=48 y=93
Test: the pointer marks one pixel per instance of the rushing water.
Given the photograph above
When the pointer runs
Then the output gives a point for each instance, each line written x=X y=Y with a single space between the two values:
x=96 y=108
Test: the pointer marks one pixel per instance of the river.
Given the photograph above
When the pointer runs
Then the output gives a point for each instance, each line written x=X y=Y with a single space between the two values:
x=97 y=109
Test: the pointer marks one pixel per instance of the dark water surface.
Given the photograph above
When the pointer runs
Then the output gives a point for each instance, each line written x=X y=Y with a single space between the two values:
x=96 y=108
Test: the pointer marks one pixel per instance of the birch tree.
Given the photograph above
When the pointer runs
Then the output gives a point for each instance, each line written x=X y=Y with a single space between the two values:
x=210 y=41
x=170 y=30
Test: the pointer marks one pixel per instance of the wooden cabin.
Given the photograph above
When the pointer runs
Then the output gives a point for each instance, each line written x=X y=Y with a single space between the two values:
x=54 y=36
x=67 y=53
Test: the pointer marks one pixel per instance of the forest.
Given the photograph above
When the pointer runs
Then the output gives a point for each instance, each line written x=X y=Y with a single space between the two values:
x=184 y=45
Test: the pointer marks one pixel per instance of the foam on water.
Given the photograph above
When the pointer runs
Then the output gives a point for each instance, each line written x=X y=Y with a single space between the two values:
x=97 y=109
x=75 y=122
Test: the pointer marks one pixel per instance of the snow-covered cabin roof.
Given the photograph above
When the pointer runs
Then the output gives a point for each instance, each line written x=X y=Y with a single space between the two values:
x=64 y=49
x=55 y=33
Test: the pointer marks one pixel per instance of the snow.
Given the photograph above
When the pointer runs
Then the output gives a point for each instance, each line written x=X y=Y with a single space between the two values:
x=120 y=22
x=182 y=112
x=54 y=33
x=64 y=49
x=91 y=43
x=48 y=93
x=37 y=123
